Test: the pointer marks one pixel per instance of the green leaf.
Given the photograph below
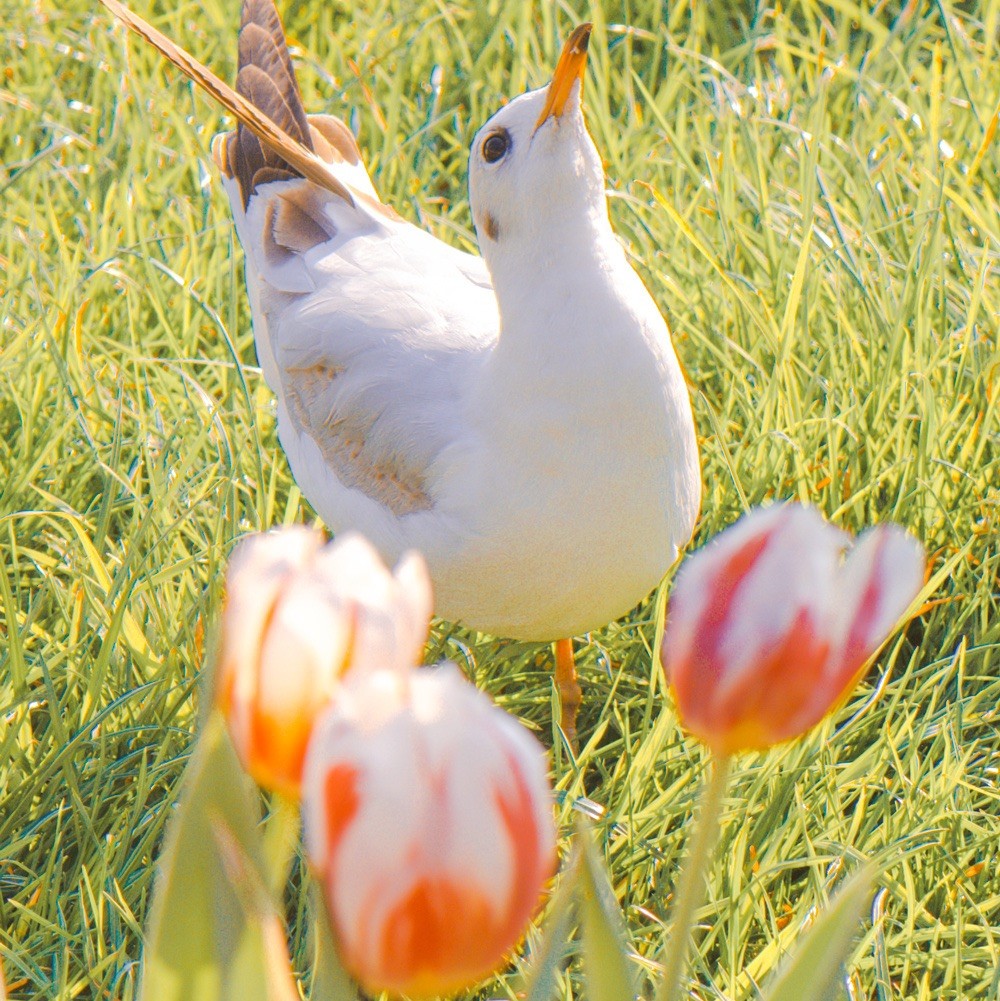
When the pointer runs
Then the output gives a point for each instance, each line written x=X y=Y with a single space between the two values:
x=198 y=928
x=279 y=842
x=330 y=981
x=261 y=969
x=543 y=975
x=814 y=968
x=606 y=967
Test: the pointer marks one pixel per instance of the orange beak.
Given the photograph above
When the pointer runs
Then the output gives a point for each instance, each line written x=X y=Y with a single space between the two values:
x=571 y=67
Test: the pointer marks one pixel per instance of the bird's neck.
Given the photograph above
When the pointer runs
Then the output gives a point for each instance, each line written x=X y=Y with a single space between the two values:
x=552 y=271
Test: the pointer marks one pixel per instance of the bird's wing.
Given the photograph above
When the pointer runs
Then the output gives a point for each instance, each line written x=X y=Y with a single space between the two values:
x=368 y=329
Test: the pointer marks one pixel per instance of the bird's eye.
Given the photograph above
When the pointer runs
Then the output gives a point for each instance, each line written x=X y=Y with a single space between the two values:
x=496 y=146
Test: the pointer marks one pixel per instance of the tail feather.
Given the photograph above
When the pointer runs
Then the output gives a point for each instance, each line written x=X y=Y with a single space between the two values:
x=262 y=43
x=233 y=156
x=266 y=79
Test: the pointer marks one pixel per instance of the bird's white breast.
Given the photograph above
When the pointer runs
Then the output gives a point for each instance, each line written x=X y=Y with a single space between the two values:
x=582 y=479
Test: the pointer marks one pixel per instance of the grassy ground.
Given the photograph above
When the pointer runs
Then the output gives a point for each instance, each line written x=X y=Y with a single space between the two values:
x=812 y=199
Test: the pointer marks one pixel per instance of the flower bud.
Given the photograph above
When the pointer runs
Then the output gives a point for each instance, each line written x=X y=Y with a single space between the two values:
x=428 y=819
x=299 y=614
x=769 y=628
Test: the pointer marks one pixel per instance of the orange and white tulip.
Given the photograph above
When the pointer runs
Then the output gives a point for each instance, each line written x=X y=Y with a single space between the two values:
x=428 y=818
x=769 y=627
x=298 y=615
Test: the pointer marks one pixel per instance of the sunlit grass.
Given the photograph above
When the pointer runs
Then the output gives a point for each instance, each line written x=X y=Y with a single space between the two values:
x=799 y=193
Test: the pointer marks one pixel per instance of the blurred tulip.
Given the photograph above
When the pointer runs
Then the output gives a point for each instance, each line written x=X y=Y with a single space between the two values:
x=299 y=614
x=428 y=819
x=769 y=628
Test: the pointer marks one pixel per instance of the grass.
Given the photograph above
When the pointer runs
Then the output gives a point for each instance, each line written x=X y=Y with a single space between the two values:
x=812 y=197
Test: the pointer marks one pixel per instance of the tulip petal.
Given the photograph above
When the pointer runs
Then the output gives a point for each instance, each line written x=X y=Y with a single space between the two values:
x=776 y=700
x=882 y=575
x=735 y=600
x=387 y=626
x=789 y=589
x=308 y=641
x=417 y=601
x=434 y=938
x=696 y=607
x=259 y=569
x=341 y=801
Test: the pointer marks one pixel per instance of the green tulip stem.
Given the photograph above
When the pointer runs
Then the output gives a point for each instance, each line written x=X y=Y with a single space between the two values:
x=691 y=887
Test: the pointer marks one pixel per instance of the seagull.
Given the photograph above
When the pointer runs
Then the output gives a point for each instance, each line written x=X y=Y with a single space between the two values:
x=520 y=418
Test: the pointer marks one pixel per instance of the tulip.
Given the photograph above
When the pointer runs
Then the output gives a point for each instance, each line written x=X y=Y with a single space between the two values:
x=427 y=815
x=770 y=628
x=298 y=615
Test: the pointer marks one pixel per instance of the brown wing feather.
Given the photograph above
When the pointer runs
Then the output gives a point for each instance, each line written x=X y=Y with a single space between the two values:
x=297 y=156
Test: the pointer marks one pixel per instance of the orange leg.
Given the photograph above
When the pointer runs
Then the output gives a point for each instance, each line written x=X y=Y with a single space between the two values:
x=570 y=693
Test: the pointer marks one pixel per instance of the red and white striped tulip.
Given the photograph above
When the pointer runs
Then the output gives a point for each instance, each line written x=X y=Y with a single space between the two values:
x=428 y=818
x=769 y=627
x=298 y=615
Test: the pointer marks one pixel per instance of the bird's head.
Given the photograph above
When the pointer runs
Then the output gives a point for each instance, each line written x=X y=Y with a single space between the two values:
x=533 y=168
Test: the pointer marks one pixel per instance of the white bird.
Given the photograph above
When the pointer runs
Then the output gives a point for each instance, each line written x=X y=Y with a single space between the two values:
x=521 y=418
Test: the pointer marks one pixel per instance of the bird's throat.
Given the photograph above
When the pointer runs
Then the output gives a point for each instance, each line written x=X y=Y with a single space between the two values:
x=546 y=275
